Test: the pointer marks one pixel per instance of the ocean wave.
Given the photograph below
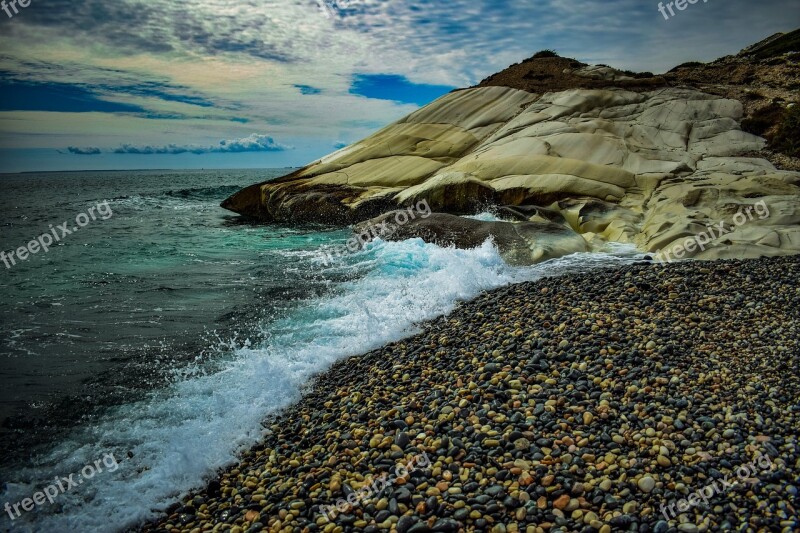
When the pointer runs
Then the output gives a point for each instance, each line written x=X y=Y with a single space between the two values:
x=205 y=193
x=190 y=198
x=177 y=438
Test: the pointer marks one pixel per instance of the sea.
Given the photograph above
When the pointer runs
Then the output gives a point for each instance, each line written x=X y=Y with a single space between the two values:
x=146 y=348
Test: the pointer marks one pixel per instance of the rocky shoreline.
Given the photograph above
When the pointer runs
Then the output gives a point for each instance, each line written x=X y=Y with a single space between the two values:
x=607 y=155
x=589 y=402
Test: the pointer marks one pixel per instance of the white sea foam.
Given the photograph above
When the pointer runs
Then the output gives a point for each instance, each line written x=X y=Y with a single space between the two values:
x=485 y=217
x=180 y=436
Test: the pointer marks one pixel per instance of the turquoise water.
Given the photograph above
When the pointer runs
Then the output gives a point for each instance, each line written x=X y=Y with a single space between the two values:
x=120 y=304
x=166 y=333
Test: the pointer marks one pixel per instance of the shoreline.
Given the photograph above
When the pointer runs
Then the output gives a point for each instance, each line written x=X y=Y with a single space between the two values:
x=557 y=405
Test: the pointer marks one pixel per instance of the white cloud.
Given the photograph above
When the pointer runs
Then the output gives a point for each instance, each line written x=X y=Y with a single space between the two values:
x=252 y=143
x=246 y=57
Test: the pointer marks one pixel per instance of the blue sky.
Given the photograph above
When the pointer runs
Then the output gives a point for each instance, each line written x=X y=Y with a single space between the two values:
x=115 y=84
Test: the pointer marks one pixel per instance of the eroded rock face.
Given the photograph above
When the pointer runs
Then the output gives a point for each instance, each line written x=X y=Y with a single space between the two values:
x=651 y=168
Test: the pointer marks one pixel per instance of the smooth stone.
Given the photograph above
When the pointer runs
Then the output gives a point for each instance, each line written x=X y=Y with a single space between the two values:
x=646 y=484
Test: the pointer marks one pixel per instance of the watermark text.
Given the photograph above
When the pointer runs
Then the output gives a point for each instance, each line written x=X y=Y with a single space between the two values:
x=44 y=241
x=61 y=485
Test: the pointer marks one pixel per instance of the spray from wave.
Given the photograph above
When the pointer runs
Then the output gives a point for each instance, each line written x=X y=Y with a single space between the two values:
x=178 y=437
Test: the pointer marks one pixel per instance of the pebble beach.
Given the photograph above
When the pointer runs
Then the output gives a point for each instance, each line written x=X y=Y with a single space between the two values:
x=591 y=402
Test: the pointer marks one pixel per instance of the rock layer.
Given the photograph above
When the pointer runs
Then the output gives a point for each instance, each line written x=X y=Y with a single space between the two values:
x=648 y=167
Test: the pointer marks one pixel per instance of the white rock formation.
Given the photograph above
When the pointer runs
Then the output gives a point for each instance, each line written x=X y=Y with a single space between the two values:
x=650 y=168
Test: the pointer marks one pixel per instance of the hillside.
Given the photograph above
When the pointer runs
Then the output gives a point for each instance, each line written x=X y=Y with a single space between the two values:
x=613 y=156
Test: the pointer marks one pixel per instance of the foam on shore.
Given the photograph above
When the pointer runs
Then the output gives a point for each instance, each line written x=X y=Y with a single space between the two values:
x=179 y=437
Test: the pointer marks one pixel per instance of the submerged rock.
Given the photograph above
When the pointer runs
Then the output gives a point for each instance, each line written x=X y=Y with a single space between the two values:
x=519 y=243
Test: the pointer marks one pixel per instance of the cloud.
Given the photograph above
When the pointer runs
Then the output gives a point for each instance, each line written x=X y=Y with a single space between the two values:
x=450 y=43
x=207 y=27
x=168 y=149
x=252 y=143
x=166 y=76
x=84 y=151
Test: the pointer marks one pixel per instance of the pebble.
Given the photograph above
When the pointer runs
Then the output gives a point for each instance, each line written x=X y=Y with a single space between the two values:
x=647 y=484
x=590 y=405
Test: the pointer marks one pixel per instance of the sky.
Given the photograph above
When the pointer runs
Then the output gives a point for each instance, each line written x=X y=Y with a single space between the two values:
x=133 y=84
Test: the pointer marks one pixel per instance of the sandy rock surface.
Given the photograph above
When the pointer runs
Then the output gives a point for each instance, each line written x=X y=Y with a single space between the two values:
x=655 y=168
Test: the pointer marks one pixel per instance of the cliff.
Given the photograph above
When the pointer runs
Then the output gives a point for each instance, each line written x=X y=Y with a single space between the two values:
x=609 y=155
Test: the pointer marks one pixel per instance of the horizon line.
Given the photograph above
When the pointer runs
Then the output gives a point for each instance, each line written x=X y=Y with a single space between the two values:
x=138 y=170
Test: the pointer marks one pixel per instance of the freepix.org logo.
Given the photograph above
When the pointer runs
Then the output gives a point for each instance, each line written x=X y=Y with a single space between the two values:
x=62 y=485
x=10 y=6
x=680 y=5
x=43 y=242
